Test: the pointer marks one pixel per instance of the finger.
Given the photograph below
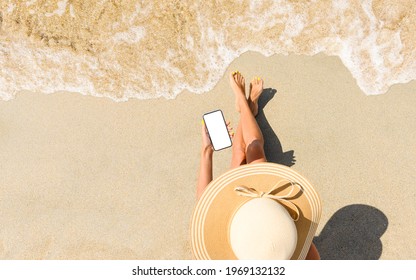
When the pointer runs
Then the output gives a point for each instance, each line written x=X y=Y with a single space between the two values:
x=204 y=127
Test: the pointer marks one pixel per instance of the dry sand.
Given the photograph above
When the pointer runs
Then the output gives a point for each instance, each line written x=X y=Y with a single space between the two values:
x=88 y=178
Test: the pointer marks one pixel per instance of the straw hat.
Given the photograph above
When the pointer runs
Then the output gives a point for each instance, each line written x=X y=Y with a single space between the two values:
x=256 y=211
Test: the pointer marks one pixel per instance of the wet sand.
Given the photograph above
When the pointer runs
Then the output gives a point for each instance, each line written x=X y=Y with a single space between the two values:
x=88 y=178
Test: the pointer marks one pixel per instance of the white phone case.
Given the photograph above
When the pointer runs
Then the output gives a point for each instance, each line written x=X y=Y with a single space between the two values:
x=217 y=130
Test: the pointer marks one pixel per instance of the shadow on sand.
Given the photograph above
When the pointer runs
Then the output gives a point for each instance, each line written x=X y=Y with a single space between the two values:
x=353 y=233
x=272 y=146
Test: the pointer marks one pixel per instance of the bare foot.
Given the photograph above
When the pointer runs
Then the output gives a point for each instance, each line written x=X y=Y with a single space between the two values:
x=256 y=88
x=238 y=86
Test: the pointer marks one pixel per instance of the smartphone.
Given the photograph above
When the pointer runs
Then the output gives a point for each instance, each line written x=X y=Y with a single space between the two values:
x=217 y=130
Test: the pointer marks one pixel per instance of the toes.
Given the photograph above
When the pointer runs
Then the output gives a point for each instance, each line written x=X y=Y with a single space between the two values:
x=240 y=78
x=257 y=81
x=234 y=75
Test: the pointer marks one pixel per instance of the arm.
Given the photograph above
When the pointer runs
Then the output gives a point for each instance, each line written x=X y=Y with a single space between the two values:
x=205 y=171
x=205 y=168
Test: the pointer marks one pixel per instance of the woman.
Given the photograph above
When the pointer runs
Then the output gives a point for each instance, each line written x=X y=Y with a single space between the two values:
x=248 y=142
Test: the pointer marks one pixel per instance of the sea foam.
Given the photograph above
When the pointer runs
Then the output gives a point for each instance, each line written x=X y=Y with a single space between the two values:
x=150 y=49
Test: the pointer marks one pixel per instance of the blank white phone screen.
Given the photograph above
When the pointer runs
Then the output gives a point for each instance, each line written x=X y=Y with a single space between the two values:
x=217 y=130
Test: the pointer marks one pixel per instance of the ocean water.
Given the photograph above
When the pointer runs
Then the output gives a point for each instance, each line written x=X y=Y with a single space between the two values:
x=125 y=49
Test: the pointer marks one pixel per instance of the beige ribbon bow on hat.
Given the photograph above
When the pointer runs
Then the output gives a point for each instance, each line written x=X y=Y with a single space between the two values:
x=251 y=192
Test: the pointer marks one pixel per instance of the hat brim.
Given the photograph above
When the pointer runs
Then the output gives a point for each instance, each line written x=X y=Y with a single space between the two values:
x=217 y=205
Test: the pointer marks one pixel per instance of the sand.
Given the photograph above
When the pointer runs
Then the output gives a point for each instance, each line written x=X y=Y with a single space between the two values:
x=87 y=178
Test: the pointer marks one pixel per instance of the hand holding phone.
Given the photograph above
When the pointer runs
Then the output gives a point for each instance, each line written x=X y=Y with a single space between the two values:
x=217 y=130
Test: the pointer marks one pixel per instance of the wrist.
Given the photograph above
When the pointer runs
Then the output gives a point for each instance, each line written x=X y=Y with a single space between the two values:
x=207 y=151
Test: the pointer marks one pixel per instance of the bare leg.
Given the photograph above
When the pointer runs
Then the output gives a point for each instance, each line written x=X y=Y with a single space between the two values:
x=239 y=149
x=313 y=253
x=256 y=88
x=239 y=146
x=248 y=127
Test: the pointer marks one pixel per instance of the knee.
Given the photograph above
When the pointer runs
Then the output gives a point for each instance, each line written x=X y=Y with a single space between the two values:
x=255 y=151
x=239 y=157
x=255 y=146
x=239 y=152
